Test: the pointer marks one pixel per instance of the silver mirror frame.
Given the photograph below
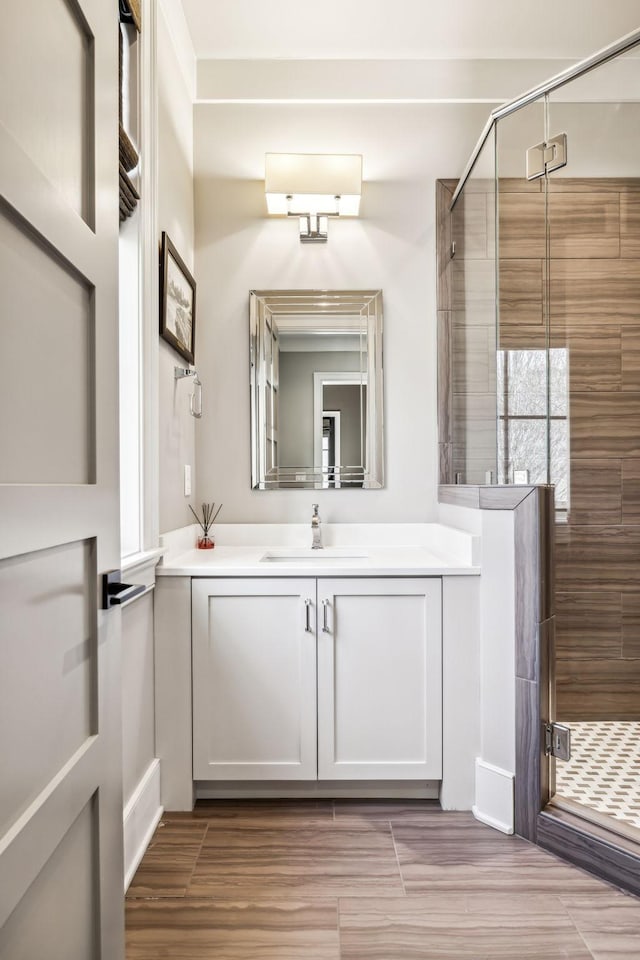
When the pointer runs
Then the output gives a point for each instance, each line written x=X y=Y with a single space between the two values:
x=265 y=304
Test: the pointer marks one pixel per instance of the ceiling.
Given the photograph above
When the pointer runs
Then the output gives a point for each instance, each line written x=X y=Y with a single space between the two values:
x=406 y=29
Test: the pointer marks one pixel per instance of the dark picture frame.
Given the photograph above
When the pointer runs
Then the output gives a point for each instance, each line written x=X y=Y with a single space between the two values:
x=177 y=301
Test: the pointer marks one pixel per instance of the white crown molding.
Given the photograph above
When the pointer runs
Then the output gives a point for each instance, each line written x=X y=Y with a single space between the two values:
x=362 y=81
x=398 y=81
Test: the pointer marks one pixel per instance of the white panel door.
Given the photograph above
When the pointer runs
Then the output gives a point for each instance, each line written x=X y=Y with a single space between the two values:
x=379 y=679
x=254 y=679
x=61 y=873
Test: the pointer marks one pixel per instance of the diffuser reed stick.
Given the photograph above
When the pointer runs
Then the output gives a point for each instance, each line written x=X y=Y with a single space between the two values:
x=209 y=514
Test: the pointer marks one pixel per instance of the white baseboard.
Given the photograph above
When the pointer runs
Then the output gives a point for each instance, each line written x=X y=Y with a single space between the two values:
x=140 y=818
x=494 y=796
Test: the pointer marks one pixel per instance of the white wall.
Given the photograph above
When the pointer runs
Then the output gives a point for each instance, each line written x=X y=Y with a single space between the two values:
x=392 y=247
x=138 y=716
x=491 y=702
x=176 y=216
x=497 y=658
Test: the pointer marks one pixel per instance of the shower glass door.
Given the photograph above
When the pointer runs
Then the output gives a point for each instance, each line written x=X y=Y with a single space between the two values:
x=592 y=282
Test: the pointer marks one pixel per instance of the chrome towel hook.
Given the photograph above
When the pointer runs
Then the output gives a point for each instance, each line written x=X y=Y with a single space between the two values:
x=195 y=405
x=195 y=400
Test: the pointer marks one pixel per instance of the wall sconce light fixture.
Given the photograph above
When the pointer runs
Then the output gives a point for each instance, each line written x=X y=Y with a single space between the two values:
x=313 y=187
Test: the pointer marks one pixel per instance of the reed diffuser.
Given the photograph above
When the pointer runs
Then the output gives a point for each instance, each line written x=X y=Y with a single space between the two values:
x=205 y=542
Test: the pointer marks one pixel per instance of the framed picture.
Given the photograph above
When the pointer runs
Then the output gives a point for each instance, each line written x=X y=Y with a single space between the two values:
x=177 y=302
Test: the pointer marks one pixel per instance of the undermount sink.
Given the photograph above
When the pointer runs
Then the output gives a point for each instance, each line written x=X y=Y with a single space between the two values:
x=307 y=555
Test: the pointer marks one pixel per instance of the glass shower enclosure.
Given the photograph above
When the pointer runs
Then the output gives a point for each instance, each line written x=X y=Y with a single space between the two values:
x=545 y=360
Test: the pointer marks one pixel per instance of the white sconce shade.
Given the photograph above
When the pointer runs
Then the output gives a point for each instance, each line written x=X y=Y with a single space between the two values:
x=313 y=183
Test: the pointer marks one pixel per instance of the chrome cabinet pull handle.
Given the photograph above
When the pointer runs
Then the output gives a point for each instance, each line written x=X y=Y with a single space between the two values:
x=307 y=609
x=325 y=616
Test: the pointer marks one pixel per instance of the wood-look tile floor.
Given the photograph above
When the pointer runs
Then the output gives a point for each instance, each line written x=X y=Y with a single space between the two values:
x=364 y=880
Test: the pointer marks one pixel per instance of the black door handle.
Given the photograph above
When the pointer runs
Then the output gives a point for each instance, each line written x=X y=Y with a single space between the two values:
x=114 y=592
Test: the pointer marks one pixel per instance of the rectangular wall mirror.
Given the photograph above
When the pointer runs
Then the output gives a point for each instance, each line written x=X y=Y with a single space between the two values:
x=316 y=389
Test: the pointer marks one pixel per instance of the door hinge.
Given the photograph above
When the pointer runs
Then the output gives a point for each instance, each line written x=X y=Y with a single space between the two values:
x=557 y=741
x=546 y=157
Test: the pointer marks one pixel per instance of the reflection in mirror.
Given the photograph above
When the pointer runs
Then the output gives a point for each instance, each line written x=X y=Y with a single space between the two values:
x=316 y=389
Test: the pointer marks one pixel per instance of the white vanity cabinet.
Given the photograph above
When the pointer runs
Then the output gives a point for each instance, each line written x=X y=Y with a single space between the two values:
x=254 y=679
x=380 y=679
x=334 y=679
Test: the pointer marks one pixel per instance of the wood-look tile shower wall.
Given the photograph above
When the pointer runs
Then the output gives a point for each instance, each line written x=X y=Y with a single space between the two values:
x=594 y=288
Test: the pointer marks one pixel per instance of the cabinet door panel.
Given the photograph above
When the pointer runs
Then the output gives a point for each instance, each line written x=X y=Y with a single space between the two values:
x=380 y=679
x=254 y=680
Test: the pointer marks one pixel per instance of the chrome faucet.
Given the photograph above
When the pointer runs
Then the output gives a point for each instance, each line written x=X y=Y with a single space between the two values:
x=316 y=542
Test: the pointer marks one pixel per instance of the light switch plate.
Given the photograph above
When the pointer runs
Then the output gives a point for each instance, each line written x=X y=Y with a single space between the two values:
x=187 y=480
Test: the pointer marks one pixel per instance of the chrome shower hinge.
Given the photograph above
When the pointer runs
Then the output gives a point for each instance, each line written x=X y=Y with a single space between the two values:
x=547 y=157
x=557 y=741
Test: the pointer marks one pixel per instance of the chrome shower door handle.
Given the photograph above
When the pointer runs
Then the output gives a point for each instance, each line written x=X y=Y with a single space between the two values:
x=325 y=616
x=307 y=614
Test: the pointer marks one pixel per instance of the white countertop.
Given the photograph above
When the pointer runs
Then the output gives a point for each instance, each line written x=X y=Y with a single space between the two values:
x=343 y=561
